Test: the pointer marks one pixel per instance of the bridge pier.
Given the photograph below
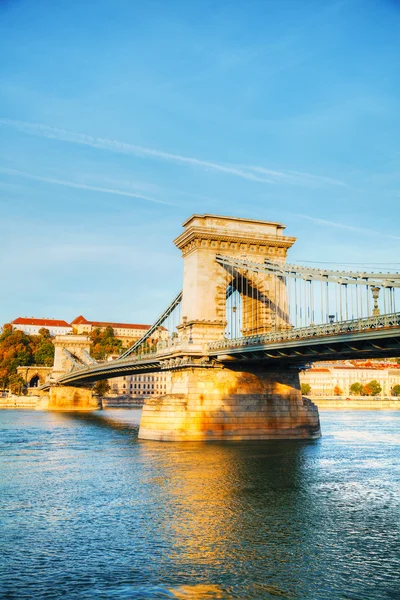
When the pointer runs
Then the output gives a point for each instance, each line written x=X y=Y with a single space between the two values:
x=71 y=398
x=231 y=404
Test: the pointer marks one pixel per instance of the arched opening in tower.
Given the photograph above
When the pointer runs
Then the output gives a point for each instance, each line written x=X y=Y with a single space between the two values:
x=34 y=382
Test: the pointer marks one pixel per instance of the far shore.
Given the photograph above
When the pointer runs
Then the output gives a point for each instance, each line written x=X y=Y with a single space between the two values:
x=358 y=403
x=335 y=403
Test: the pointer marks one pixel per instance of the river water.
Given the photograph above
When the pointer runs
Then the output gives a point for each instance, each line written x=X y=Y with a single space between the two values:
x=88 y=511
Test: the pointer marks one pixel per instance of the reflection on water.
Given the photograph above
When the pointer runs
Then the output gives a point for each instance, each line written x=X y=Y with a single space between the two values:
x=88 y=511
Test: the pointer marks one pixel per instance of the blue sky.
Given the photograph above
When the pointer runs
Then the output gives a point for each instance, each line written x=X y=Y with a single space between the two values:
x=120 y=118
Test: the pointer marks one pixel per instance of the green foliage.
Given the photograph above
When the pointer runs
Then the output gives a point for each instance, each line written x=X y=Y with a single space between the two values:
x=101 y=387
x=17 y=349
x=305 y=388
x=44 y=354
x=396 y=390
x=44 y=333
x=374 y=387
x=356 y=389
x=104 y=343
x=16 y=384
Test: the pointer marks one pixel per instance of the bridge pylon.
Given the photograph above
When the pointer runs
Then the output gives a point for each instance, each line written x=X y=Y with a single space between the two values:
x=206 y=282
x=70 y=352
x=221 y=399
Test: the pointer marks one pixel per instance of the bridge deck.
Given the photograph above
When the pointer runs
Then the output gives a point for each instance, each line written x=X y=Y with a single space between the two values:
x=372 y=337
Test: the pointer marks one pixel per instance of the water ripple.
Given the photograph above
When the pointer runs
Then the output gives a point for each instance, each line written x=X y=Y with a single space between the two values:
x=88 y=511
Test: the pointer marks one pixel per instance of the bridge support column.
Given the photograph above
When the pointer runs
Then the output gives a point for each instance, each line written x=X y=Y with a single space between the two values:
x=228 y=404
x=70 y=398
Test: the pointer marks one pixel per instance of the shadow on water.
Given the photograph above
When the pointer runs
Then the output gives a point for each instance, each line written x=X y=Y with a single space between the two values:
x=99 y=420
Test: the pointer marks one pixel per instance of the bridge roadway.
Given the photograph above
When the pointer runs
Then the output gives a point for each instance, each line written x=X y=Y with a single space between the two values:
x=370 y=337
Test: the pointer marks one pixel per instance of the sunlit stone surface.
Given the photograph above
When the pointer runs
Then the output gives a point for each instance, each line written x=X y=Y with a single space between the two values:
x=219 y=404
x=71 y=398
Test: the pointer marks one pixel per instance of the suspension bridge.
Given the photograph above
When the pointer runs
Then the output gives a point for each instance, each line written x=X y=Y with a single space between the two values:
x=243 y=326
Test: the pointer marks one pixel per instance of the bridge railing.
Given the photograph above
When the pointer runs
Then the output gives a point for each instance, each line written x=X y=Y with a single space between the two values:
x=163 y=349
x=354 y=325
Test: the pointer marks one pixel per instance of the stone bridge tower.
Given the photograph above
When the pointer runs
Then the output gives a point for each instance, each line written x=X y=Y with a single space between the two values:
x=212 y=400
x=205 y=281
x=69 y=350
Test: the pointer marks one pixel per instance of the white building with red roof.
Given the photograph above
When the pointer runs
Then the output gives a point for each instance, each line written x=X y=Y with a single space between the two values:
x=323 y=378
x=127 y=332
x=32 y=326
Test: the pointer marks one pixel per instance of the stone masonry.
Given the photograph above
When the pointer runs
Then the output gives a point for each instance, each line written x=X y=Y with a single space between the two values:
x=220 y=404
x=236 y=401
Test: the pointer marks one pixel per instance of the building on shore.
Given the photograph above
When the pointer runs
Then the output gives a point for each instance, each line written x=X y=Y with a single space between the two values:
x=326 y=379
x=32 y=326
x=140 y=387
x=128 y=333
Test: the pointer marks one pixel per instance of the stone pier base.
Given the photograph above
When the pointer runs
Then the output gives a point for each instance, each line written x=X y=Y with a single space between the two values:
x=225 y=404
x=70 y=398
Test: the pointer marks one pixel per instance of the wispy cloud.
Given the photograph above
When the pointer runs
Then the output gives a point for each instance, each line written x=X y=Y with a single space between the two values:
x=297 y=178
x=121 y=147
x=251 y=173
x=344 y=226
x=81 y=186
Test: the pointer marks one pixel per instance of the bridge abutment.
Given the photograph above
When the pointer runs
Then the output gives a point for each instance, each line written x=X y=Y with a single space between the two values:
x=229 y=404
x=71 y=398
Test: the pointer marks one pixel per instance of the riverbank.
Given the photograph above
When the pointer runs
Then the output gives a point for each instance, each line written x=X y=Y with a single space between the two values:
x=24 y=402
x=41 y=403
x=356 y=403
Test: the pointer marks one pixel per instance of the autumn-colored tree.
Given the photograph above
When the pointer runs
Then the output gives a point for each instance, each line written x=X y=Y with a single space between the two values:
x=15 y=350
x=374 y=387
x=104 y=343
x=18 y=349
x=337 y=391
x=305 y=388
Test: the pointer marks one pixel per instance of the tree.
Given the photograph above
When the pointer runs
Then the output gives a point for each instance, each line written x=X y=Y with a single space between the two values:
x=337 y=391
x=44 y=354
x=305 y=388
x=101 y=388
x=356 y=389
x=18 y=349
x=375 y=387
x=104 y=343
x=44 y=333
x=16 y=384
x=396 y=390
x=15 y=350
